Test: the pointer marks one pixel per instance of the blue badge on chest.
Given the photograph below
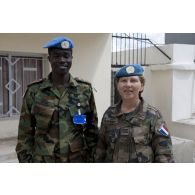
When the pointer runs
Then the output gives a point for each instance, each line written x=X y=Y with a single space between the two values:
x=79 y=119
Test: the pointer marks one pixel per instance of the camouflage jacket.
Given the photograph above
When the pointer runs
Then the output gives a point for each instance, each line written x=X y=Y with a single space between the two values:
x=133 y=137
x=46 y=128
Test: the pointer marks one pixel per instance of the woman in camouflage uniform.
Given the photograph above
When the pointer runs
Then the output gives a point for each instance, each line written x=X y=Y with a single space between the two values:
x=132 y=130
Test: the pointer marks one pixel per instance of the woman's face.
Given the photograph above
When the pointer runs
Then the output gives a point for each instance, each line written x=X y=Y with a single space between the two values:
x=129 y=87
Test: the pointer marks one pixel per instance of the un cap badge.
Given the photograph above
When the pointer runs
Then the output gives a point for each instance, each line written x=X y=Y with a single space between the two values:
x=130 y=69
x=65 y=45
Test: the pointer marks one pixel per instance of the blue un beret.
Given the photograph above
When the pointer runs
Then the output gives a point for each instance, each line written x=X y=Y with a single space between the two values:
x=60 y=42
x=130 y=70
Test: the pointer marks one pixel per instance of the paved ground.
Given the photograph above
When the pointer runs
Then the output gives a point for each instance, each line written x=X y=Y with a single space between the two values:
x=7 y=150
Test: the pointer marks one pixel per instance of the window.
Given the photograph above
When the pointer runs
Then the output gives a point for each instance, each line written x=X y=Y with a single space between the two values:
x=16 y=72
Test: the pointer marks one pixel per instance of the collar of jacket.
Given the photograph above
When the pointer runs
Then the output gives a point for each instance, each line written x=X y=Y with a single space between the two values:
x=47 y=83
x=139 y=112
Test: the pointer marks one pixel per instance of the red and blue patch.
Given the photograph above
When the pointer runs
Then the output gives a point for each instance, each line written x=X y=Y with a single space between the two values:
x=164 y=131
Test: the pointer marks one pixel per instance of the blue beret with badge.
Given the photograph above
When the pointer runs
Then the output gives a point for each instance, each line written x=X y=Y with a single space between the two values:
x=60 y=42
x=130 y=70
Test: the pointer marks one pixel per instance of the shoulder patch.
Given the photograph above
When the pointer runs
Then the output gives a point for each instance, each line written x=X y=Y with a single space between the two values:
x=164 y=130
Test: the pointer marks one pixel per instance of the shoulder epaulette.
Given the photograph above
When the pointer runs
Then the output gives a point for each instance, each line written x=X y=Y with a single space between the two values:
x=82 y=81
x=36 y=82
x=152 y=107
x=85 y=82
x=154 y=110
x=33 y=83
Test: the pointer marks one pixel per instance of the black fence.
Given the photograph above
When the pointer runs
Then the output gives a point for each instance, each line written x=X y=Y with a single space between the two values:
x=131 y=48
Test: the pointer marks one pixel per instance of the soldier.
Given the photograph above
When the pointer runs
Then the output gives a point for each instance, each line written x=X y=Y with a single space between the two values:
x=132 y=130
x=58 y=121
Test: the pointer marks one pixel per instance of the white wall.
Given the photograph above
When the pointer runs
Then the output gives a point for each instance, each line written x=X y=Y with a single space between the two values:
x=170 y=87
x=182 y=54
x=182 y=94
x=161 y=90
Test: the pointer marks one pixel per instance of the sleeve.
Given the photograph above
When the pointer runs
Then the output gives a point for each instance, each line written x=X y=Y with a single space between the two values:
x=161 y=141
x=100 y=154
x=91 y=133
x=26 y=131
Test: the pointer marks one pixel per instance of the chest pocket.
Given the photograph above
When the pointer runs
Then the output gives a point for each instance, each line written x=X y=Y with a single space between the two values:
x=43 y=116
x=142 y=140
x=121 y=145
x=143 y=148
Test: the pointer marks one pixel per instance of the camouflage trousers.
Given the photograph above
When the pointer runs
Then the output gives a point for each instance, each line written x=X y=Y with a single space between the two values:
x=76 y=157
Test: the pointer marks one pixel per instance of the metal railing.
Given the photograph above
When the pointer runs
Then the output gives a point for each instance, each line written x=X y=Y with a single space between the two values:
x=131 y=48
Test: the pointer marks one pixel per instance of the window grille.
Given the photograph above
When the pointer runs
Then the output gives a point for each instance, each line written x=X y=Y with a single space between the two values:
x=16 y=72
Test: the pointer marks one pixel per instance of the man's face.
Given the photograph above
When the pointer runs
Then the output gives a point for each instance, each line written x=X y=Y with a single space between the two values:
x=61 y=60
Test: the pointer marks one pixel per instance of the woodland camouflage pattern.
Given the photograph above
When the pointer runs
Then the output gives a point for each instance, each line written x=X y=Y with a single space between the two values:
x=46 y=131
x=133 y=137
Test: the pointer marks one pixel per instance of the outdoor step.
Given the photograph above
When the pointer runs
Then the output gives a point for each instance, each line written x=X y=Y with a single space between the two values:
x=9 y=158
x=183 y=150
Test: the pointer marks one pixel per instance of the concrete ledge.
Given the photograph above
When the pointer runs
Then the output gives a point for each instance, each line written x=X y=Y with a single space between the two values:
x=189 y=121
x=183 y=150
x=187 y=67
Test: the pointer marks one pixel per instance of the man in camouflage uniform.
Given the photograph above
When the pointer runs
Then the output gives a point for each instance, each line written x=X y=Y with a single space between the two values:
x=58 y=121
x=139 y=136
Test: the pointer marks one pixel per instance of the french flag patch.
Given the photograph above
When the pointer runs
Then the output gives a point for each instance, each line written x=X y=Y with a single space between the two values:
x=164 y=131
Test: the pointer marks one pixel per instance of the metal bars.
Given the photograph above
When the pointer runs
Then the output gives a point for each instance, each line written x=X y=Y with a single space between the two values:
x=131 y=48
x=128 y=49
x=16 y=72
